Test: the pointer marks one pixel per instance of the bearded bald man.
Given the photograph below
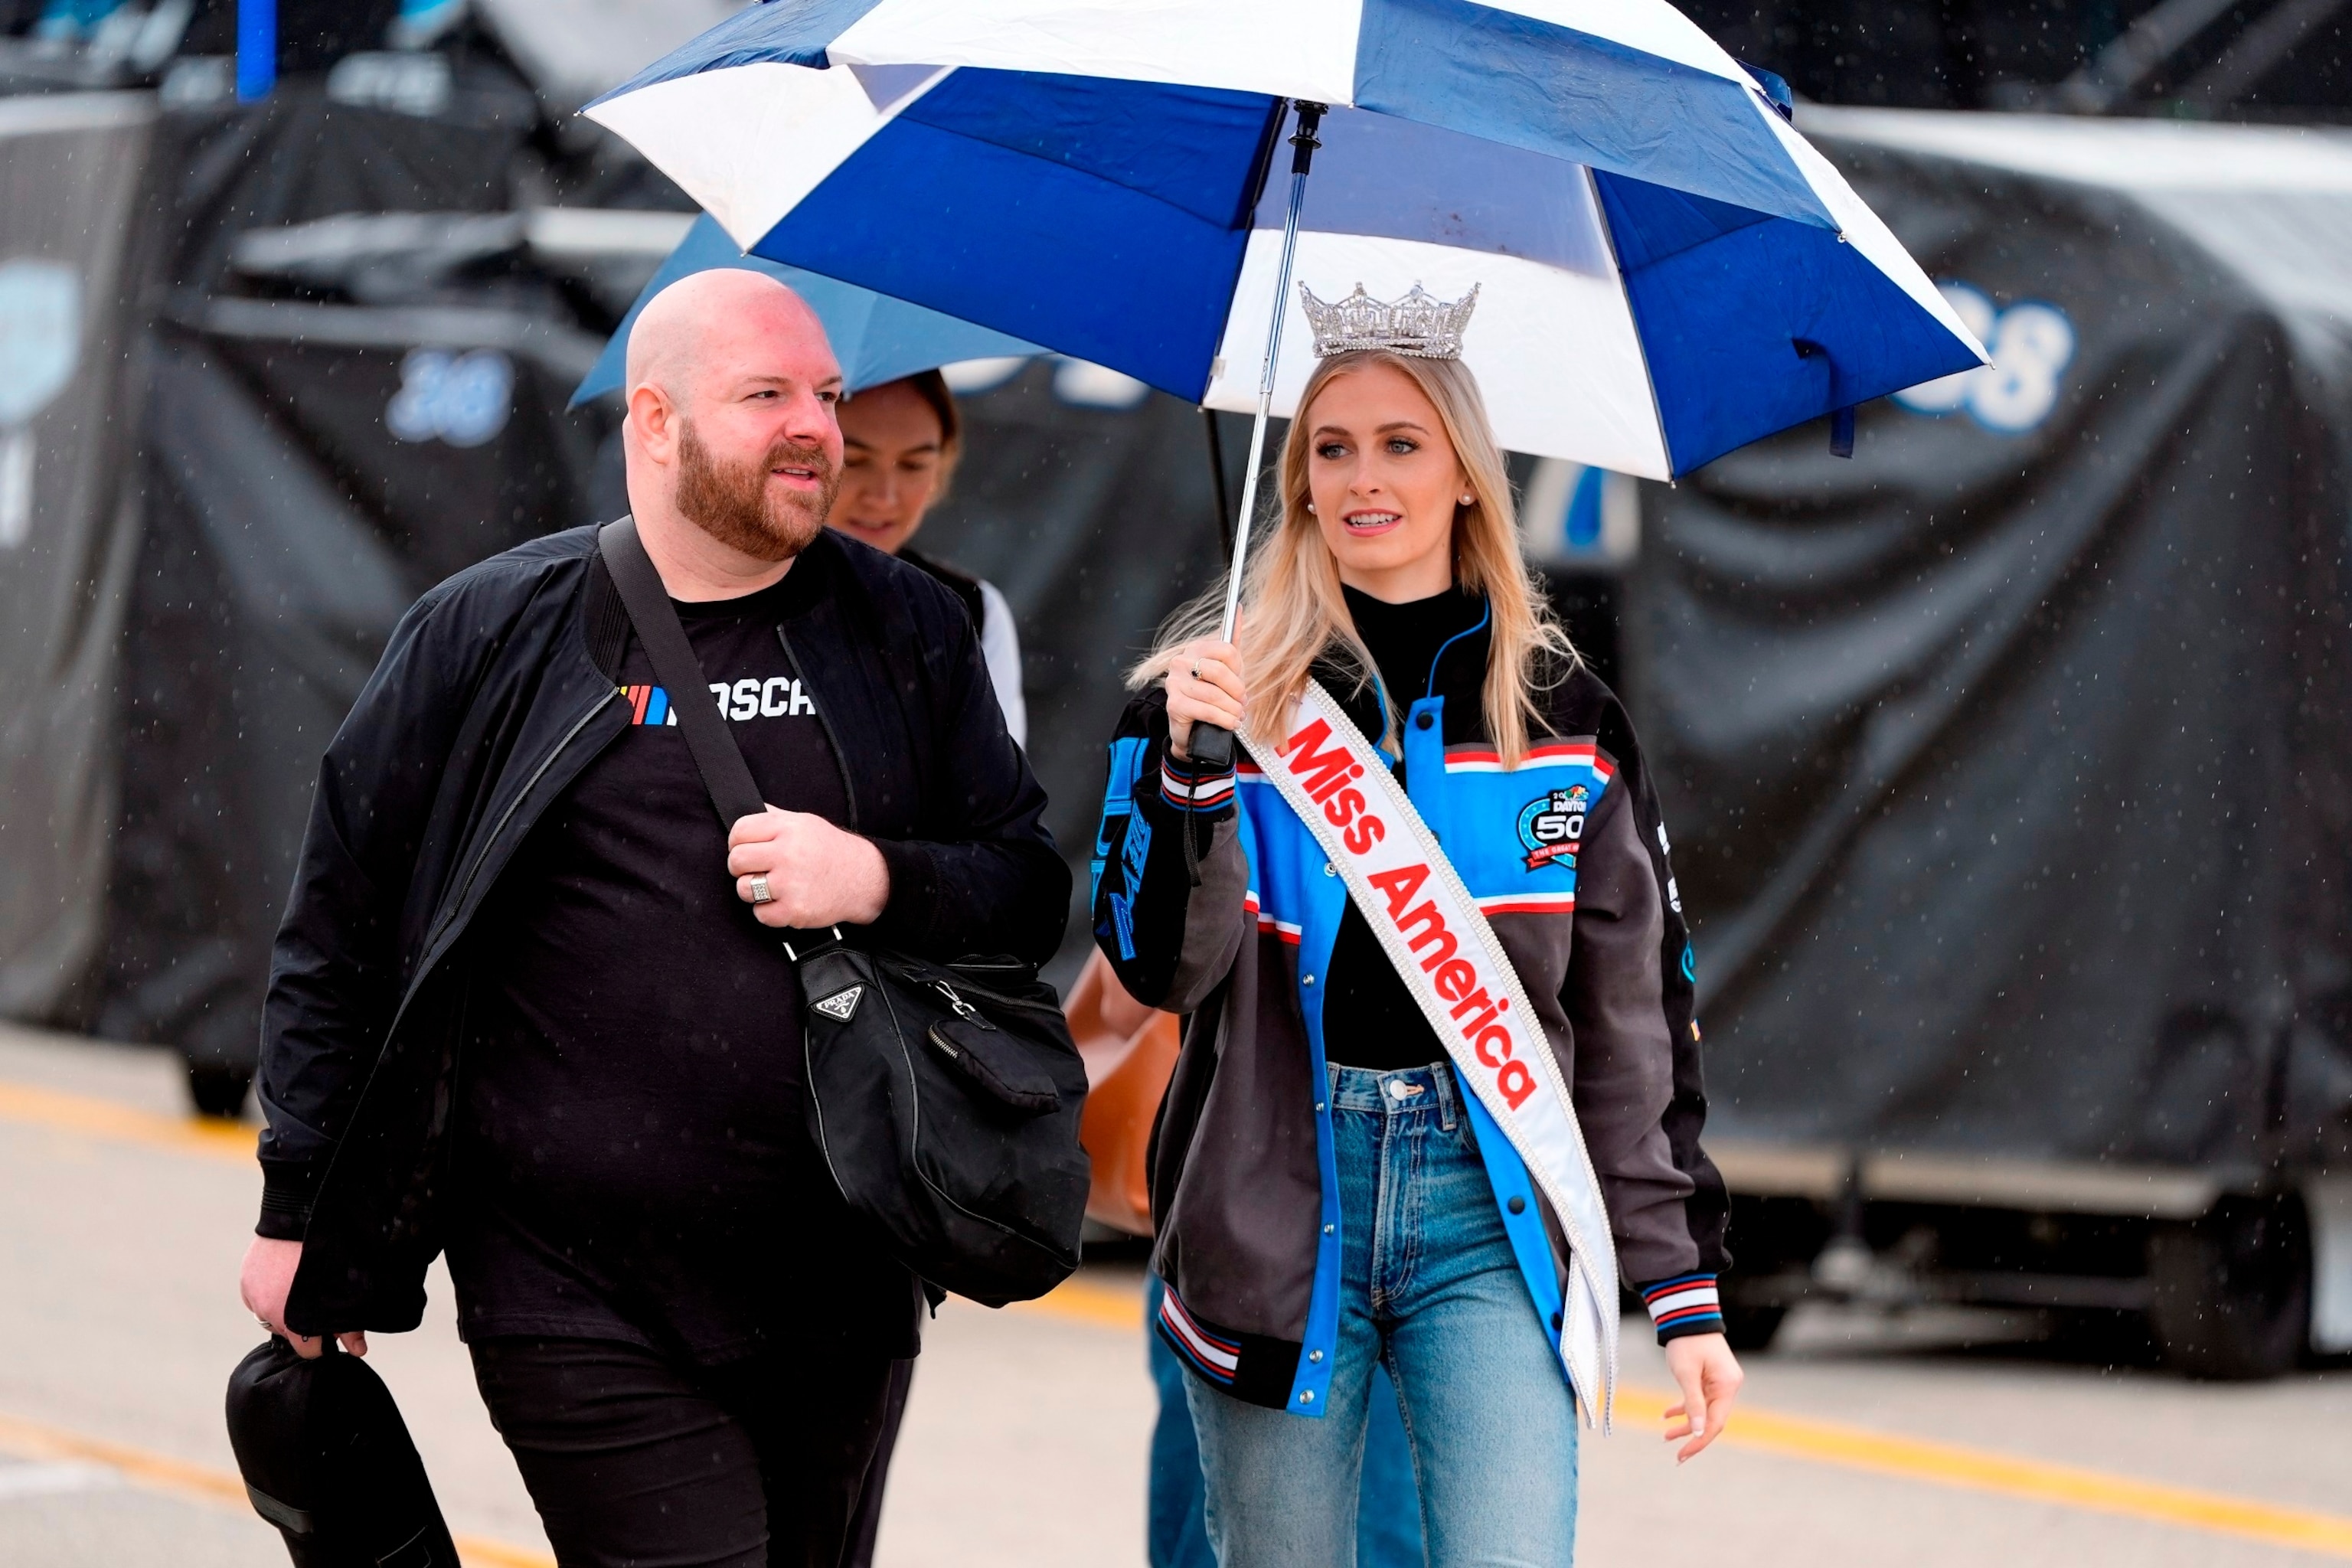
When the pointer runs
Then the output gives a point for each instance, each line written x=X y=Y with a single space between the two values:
x=525 y=1006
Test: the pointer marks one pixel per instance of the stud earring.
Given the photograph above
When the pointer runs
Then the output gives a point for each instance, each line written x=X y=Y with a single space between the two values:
x=1469 y=500
x=1310 y=506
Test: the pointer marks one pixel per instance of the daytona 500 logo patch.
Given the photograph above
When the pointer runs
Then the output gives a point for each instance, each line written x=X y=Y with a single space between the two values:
x=1550 y=825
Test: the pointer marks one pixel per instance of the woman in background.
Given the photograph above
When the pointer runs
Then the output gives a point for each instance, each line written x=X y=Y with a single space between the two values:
x=899 y=443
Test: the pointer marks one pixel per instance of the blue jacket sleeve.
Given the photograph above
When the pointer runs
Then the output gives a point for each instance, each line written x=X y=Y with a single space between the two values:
x=1169 y=874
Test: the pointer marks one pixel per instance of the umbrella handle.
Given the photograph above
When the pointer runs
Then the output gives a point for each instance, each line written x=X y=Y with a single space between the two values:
x=1211 y=747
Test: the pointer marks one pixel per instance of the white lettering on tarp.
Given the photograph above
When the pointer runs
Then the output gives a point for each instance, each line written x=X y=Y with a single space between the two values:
x=2029 y=344
x=463 y=399
x=40 y=349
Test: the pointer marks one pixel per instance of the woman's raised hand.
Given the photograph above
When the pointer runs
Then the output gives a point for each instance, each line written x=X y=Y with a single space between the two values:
x=1205 y=687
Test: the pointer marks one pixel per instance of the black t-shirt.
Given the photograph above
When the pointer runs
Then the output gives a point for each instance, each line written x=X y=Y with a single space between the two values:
x=633 y=1162
x=1370 y=1019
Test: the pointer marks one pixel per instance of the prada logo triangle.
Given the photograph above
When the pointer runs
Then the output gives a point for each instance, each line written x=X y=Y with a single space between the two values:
x=841 y=1005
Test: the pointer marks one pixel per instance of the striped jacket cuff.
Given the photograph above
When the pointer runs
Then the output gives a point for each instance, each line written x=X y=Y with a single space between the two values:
x=1685 y=1304
x=1179 y=788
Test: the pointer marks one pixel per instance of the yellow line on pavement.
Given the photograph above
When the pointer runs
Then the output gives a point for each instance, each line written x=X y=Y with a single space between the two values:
x=156 y=1472
x=2037 y=1481
x=202 y=1483
x=200 y=1135
x=1082 y=1301
x=1910 y=1459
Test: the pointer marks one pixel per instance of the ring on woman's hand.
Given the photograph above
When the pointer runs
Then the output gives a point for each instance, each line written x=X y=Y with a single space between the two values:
x=1196 y=672
x=760 y=894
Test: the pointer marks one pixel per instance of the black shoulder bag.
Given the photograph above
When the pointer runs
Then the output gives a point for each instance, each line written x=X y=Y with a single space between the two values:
x=945 y=1097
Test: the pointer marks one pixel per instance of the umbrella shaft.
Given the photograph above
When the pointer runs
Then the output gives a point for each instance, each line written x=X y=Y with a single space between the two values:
x=1241 y=529
x=1265 y=377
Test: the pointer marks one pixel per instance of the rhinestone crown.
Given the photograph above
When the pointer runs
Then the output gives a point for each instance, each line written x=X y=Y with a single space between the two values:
x=1418 y=323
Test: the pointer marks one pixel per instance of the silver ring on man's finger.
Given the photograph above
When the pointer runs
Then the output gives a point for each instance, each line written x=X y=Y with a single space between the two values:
x=760 y=893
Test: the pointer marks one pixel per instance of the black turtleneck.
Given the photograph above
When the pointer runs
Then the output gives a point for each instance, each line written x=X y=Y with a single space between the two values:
x=1425 y=647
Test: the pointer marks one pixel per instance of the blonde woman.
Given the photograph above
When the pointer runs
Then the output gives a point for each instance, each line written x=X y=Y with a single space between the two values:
x=1329 y=1190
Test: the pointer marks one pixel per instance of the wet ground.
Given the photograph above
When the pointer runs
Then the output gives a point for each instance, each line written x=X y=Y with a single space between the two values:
x=1947 y=1438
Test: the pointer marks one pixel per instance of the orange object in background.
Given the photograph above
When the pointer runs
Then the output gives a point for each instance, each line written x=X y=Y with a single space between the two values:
x=1131 y=1052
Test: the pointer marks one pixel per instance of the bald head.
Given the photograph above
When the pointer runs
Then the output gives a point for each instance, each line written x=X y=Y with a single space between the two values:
x=717 y=318
x=732 y=389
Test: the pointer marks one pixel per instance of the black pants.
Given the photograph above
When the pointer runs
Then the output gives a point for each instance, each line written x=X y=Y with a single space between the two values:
x=634 y=1461
x=866 y=1526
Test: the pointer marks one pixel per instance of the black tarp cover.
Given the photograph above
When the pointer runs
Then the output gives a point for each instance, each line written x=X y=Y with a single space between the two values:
x=2008 y=763
x=311 y=467
x=69 y=174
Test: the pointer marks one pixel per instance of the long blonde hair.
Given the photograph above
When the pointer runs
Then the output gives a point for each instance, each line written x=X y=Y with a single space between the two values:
x=1293 y=612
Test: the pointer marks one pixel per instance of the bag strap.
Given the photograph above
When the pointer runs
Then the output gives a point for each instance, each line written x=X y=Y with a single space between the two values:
x=725 y=776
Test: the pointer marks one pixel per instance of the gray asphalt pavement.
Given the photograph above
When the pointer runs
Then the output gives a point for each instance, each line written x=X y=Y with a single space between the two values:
x=1947 y=1439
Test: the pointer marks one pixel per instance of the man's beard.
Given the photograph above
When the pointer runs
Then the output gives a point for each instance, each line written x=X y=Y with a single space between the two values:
x=735 y=506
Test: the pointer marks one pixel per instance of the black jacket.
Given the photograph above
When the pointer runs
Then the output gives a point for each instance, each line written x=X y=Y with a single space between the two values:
x=497 y=689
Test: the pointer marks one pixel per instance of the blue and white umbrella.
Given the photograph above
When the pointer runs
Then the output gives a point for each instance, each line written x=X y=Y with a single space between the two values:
x=877 y=339
x=1667 y=270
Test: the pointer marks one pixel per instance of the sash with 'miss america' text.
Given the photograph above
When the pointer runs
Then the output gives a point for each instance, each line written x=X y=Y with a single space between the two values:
x=1437 y=938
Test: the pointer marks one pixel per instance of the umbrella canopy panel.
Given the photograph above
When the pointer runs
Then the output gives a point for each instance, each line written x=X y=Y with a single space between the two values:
x=1626 y=85
x=1668 y=270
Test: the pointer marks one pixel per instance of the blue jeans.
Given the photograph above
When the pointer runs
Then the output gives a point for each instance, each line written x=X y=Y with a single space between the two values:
x=1388 y=1510
x=1428 y=1288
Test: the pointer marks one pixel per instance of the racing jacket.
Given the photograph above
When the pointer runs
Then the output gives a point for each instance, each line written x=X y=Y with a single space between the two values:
x=1212 y=899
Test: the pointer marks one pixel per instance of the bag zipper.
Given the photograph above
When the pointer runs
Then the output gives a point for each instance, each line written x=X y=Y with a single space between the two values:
x=963 y=1009
x=995 y=999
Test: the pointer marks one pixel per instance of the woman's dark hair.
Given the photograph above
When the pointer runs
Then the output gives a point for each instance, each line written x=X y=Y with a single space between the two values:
x=932 y=388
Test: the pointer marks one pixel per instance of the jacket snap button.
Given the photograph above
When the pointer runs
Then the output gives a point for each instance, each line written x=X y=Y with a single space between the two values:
x=1318 y=1105
x=1518 y=1204
x=1329 y=1228
x=1307 y=980
x=1422 y=722
x=1314 y=1355
x=1308 y=1397
x=1329 y=870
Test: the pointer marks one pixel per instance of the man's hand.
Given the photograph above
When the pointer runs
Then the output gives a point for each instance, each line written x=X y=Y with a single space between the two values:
x=269 y=1274
x=1709 y=1376
x=817 y=875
